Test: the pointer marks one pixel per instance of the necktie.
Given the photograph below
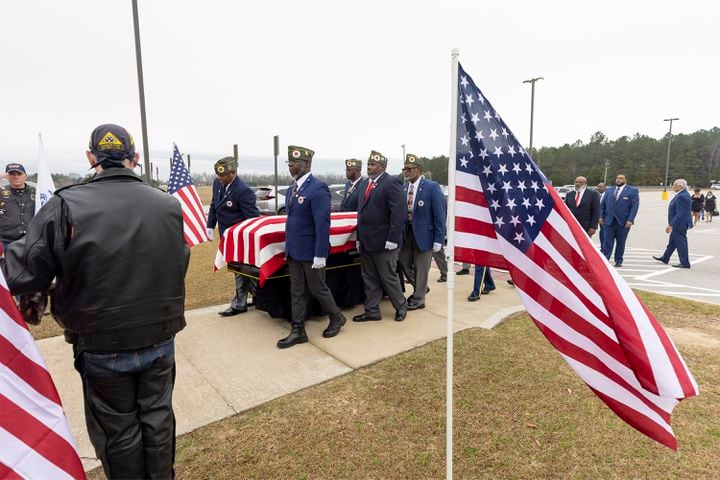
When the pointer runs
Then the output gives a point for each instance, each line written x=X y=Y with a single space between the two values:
x=577 y=198
x=294 y=191
x=410 y=202
x=617 y=193
x=368 y=189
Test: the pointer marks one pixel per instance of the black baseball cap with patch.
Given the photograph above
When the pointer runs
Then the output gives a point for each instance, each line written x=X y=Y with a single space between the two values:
x=300 y=153
x=377 y=157
x=353 y=163
x=111 y=144
x=14 y=167
x=225 y=165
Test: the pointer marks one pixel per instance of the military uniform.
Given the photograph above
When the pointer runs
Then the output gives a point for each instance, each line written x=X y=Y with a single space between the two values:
x=17 y=207
x=352 y=191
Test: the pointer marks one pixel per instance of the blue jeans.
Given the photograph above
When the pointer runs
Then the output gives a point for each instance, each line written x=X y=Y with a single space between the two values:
x=489 y=282
x=128 y=409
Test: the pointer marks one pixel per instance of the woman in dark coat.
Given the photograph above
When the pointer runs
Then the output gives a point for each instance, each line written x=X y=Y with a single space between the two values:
x=698 y=202
x=710 y=205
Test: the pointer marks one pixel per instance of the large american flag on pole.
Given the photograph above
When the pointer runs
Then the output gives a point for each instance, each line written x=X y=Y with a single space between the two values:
x=260 y=241
x=35 y=438
x=181 y=187
x=508 y=216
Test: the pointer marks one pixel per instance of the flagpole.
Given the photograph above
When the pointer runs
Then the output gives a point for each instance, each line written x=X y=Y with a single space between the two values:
x=450 y=253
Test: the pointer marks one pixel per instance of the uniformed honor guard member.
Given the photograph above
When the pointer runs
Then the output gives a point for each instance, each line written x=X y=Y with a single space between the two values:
x=17 y=204
x=232 y=202
x=115 y=246
x=353 y=187
x=381 y=214
x=424 y=228
x=307 y=246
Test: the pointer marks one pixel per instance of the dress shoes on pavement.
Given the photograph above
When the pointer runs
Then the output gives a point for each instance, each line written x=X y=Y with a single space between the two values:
x=297 y=335
x=335 y=325
x=473 y=297
x=681 y=265
x=366 y=317
x=485 y=291
x=618 y=264
x=463 y=271
x=415 y=306
x=443 y=278
x=660 y=259
x=232 y=311
x=401 y=313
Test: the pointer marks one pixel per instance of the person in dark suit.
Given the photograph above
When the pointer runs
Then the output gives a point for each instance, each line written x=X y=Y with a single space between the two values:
x=424 y=229
x=601 y=187
x=584 y=205
x=232 y=202
x=679 y=221
x=381 y=214
x=353 y=172
x=617 y=213
x=307 y=246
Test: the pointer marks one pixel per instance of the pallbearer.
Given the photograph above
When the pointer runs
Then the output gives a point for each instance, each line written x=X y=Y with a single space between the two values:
x=353 y=171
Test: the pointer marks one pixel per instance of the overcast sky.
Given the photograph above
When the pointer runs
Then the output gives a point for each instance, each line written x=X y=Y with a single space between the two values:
x=344 y=78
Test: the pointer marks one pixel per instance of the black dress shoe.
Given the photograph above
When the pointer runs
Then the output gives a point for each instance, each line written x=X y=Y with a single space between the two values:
x=618 y=265
x=366 y=317
x=463 y=271
x=297 y=335
x=660 y=259
x=232 y=311
x=415 y=306
x=335 y=325
x=510 y=282
x=443 y=278
x=473 y=297
x=485 y=291
x=401 y=313
x=681 y=265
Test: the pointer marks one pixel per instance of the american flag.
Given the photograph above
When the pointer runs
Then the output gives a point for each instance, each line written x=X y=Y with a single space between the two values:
x=35 y=438
x=260 y=241
x=508 y=216
x=181 y=187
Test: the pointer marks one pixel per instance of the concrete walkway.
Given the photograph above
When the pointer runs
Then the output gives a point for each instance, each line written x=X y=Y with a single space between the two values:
x=228 y=365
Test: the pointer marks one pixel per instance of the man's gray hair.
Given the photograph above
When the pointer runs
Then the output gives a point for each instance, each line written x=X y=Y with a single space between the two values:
x=682 y=182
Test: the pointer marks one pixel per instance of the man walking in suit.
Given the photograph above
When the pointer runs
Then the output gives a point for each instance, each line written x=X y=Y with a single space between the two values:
x=353 y=186
x=584 y=205
x=381 y=214
x=679 y=221
x=601 y=187
x=424 y=229
x=232 y=202
x=307 y=246
x=617 y=213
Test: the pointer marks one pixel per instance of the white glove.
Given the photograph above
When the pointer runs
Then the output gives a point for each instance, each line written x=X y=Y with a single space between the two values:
x=437 y=247
x=211 y=233
x=357 y=244
x=318 y=262
x=390 y=246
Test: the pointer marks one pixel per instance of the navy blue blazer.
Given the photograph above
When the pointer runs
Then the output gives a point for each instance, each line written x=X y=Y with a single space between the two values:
x=428 y=223
x=350 y=197
x=679 y=216
x=307 y=229
x=381 y=215
x=231 y=206
x=622 y=211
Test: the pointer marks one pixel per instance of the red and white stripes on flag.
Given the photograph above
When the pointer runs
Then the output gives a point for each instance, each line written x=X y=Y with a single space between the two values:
x=181 y=187
x=260 y=241
x=35 y=438
x=585 y=309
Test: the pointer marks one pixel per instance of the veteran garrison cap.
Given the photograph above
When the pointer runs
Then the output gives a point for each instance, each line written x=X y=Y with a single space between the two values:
x=412 y=159
x=14 y=167
x=300 y=153
x=225 y=165
x=377 y=157
x=111 y=143
x=353 y=163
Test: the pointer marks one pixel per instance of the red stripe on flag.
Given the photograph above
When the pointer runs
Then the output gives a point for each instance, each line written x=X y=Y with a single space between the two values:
x=468 y=195
x=7 y=304
x=480 y=257
x=30 y=372
x=40 y=438
x=6 y=473
x=476 y=227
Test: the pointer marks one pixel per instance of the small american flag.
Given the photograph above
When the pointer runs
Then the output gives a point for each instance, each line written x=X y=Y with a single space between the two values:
x=181 y=187
x=35 y=438
x=260 y=241
x=508 y=216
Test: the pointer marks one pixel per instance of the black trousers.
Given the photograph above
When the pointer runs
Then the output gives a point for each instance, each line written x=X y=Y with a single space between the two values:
x=306 y=281
x=128 y=409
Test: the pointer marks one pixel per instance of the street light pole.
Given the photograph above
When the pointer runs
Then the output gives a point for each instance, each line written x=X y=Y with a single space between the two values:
x=141 y=90
x=607 y=163
x=532 y=108
x=403 y=159
x=667 y=163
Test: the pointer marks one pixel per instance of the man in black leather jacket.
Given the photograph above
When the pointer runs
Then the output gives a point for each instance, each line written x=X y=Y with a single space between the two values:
x=115 y=246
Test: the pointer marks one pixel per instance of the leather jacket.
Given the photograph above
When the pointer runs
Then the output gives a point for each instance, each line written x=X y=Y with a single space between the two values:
x=117 y=249
x=17 y=207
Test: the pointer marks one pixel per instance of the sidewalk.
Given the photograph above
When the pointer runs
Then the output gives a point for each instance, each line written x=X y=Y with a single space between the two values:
x=228 y=365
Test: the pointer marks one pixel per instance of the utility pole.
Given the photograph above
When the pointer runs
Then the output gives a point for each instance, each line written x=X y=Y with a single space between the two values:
x=141 y=90
x=607 y=163
x=532 y=109
x=403 y=157
x=667 y=163
x=276 y=153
